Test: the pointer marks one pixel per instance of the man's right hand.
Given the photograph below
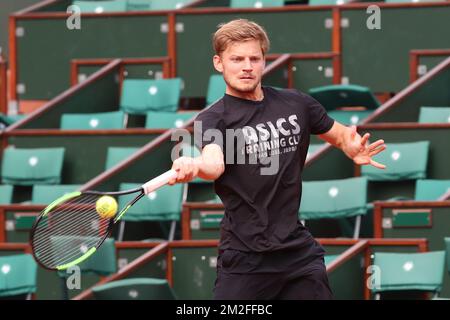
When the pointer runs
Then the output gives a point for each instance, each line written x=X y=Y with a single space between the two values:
x=187 y=169
x=208 y=166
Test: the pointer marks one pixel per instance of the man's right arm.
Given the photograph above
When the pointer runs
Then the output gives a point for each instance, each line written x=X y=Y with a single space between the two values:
x=209 y=165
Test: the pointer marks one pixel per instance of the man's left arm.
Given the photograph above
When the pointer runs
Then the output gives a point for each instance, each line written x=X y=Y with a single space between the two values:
x=353 y=145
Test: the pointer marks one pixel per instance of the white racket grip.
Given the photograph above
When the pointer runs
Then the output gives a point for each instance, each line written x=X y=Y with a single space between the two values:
x=159 y=181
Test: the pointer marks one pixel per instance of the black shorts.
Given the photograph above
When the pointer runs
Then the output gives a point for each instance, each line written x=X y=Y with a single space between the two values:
x=251 y=276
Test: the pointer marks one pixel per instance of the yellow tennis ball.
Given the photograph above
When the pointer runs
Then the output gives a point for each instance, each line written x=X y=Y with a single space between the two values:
x=106 y=207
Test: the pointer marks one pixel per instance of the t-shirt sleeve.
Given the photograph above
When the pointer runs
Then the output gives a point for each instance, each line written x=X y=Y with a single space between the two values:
x=319 y=120
x=208 y=128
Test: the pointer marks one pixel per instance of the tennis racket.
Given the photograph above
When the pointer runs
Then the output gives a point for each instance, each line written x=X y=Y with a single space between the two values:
x=69 y=230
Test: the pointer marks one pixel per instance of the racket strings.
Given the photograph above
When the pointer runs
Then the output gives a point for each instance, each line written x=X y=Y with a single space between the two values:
x=59 y=230
x=65 y=236
x=56 y=219
x=69 y=230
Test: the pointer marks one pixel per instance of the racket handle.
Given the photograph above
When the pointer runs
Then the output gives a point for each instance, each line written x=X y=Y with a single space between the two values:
x=159 y=181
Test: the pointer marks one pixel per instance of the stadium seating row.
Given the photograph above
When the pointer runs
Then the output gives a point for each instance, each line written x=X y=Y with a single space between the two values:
x=145 y=5
x=400 y=271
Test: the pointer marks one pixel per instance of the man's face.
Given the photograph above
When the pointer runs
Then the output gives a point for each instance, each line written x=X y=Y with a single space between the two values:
x=242 y=65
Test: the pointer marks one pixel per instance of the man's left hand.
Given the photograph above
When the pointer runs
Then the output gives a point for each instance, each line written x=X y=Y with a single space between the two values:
x=358 y=149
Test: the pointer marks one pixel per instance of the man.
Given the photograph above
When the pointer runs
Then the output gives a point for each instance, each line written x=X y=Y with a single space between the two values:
x=264 y=252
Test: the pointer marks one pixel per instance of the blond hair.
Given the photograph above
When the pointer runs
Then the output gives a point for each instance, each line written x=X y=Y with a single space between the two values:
x=237 y=31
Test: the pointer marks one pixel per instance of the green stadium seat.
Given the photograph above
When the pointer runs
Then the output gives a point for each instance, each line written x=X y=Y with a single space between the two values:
x=42 y=195
x=93 y=121
x=6 y=194
x=216 y=199
x=134 y=289
x=102 y=263
x=101 y=6
x=161 y=205
x=9 y=120
x=16 y=117
x=411 y=1
x=335 y=199
x=146 y=5
x=167 y=120
x=45 y=194
x=409 y=271
x=447 y=252
x=349 y=117
x=216 y=88
x=140 y=96
x=333 y=97
x=431 y=190
x=18 y=275
x=139 y=5
x=327 y=2
x=32 y=166
x=329 y=258
x=256 y=3
x=114 y=155
x=404 y=161
x=168 y=4
x=434 y=115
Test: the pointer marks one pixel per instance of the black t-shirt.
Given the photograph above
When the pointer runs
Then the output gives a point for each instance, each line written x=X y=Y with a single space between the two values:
x=261 y=210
